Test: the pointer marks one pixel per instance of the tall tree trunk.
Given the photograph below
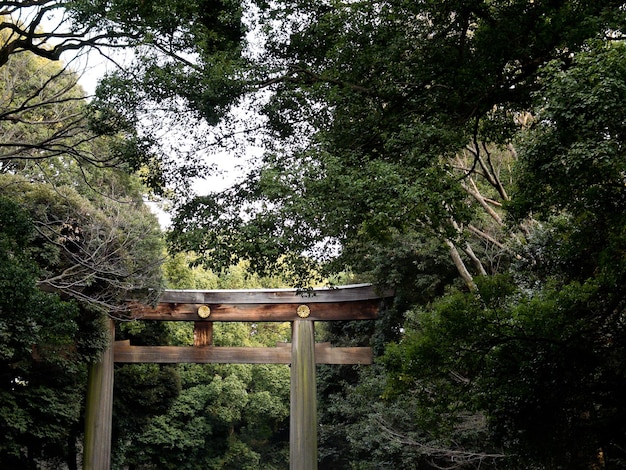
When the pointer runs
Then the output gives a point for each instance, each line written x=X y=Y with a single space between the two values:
x=460 y=265
x=477 y=263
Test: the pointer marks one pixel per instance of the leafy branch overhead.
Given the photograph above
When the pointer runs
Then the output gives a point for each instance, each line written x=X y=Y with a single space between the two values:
x=163 y=57
x=389 y=117
x=50 y=28
x=471 y=155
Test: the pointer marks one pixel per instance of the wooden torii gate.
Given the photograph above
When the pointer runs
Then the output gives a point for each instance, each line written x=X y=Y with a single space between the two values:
x=302 y=309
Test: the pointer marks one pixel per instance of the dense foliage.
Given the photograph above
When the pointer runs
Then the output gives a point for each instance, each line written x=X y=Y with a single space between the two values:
x=368 y=105
x=46 y=342
x=77 y=240
x=468 y=154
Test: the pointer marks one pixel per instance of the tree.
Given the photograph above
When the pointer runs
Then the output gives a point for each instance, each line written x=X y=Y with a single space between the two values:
x=43 y=116
x=98 y=255
x=45 y=344
x=86 y=242
x=169 y=32
x=369 y=107
x=536 y=351
x=91 y=243
x=72 y=261
x=226 y=417
x=101 y=241
x=395 y=128
x=182 y=52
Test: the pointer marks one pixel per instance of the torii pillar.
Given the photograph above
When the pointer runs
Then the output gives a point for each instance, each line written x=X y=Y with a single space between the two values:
x=303 y=398
x=302 y=309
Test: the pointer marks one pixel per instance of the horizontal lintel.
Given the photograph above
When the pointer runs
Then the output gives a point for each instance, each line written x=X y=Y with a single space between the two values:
x=280 y=312
x=324 y=354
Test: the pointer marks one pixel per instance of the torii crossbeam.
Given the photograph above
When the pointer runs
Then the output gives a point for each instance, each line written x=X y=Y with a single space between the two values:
x=301 y=308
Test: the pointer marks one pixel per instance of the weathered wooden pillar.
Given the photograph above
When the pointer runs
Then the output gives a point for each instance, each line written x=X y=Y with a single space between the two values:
x=99 y=410
x=303 y=421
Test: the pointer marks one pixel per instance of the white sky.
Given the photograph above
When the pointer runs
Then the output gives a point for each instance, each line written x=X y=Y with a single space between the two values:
x=228 y=167
x=92 y=66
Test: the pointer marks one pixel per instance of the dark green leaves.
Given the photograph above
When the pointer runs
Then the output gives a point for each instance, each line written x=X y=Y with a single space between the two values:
x=537 y=365
x=575 y=150
x=44 y=345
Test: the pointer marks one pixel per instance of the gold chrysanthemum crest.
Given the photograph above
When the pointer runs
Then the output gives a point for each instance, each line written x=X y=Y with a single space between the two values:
x=204 y=311
x=303 y=311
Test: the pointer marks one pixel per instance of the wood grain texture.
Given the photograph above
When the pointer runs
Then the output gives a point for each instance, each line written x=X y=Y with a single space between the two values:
x=324 y=354
x=328 y=311
x=99 y=410
x=303 y=417
x=202 y=334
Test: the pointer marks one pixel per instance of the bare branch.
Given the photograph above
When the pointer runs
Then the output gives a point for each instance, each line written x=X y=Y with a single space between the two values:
x=460 y=265
x=96 y=258
x=475 y=260
x=485 y=236
x=481 y=200
x=497 y=183
x=454 y=457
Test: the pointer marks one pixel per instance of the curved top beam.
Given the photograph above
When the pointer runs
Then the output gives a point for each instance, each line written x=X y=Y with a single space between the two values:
x=354 y=302
x=348 y=293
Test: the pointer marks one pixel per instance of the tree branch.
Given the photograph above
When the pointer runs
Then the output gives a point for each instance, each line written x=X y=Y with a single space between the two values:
x=456 y=458
x=460 y=265
x=481 y=200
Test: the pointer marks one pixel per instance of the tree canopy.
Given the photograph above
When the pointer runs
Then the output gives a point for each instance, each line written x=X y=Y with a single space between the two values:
x=165 y=60
x=77 y=241
x=468 y=154
x=369 y=107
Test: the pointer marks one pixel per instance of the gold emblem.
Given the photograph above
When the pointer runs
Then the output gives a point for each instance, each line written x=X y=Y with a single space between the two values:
x=204 y=311
x=303 y=311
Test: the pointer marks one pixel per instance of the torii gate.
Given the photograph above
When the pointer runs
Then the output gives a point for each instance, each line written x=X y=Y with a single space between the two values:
x=302 y=309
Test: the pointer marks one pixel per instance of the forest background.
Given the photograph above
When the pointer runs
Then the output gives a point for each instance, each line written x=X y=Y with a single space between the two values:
x=468 y=154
